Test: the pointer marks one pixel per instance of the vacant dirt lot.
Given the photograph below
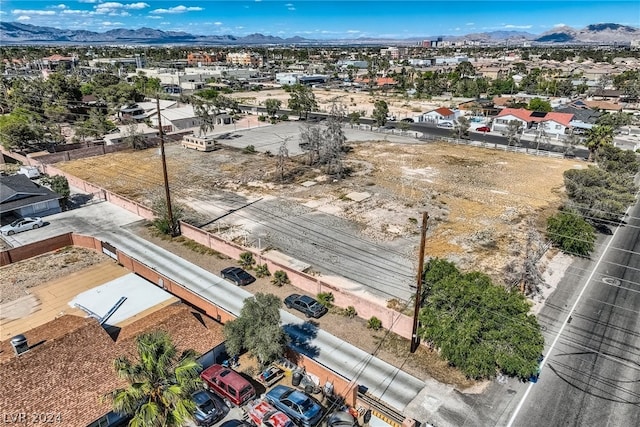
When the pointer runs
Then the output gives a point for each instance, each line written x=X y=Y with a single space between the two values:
x=480 y=201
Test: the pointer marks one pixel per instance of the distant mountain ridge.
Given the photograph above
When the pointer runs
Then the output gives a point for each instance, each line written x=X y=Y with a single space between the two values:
x=18 y=33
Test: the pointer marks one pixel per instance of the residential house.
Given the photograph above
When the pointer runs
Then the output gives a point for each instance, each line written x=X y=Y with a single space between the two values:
x=438 y=115
x=604 y=106
x=183 y=118
x=553 y=123
x=21 y=197
x=124 y=131
x=68 y=367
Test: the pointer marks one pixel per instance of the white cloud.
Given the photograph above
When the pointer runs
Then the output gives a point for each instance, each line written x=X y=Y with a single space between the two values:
x=23 y=18
x=468 y=24
x=291 y=8
x=77 y=12
x=289 y=5
x=154 y=17
x=517 y=27
x=87 y=1
x=139 y=5
x=178 y=9
x=353 y=31
x=559 y=25
x=33 y=12
x=60 y=6
x=111 y=24
x=217 y=23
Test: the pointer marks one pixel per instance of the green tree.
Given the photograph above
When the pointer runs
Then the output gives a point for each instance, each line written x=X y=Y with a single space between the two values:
x=206 y=111
x=272 y=106
x=302 y=100
x=160 y=383
x=354 y=118
x=537 y=104
x=60 y=185
x=598 y=136
x=568 y=231
x=478 y=326
x=380 y=112
x=280 y=278
x=257 y=329
x=461 y=128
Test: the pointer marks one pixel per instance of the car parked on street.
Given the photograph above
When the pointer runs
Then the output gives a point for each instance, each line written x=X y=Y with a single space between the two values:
x=307 y=305
x=483 y=129
x=22 y=224
x=303 y=409
x=209 y=408
x=237 y=276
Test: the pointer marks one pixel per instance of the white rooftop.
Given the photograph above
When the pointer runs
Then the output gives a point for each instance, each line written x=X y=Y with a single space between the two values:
x=140 y=295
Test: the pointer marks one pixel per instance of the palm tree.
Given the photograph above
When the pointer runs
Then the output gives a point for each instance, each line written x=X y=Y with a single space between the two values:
x=597 y=137
x=160 y=383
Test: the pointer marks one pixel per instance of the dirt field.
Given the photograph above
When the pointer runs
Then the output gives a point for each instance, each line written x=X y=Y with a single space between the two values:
x=479 y=200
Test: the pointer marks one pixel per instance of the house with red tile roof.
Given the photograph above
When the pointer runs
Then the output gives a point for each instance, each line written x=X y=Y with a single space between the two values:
x=438 y=115
x=553 y=123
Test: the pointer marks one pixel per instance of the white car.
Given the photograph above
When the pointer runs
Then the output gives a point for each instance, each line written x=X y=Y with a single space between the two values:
x=22 y=224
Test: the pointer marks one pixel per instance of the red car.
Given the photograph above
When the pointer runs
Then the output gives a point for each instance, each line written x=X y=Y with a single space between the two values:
x=483 y=129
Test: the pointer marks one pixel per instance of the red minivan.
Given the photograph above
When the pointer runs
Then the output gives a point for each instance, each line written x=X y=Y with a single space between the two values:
x=228 y=384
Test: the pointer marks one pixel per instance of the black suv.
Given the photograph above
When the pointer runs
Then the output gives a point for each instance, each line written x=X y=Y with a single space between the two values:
x=237 y=276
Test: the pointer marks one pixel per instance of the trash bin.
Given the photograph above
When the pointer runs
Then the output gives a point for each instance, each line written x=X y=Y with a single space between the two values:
x=296 y=378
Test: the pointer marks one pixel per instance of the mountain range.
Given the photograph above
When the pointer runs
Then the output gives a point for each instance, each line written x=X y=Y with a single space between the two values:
x=17 y=33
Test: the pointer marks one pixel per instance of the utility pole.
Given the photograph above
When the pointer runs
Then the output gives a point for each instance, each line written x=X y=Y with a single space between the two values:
x=174 y=231
x=415 y=341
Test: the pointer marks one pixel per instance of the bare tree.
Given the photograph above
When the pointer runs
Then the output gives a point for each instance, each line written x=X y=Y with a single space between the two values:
x=513 y=132
x=332 y=148
x=133 y=137
x=523 y=270
x=542 y=137
x=281 y=159
x=570 y=142
x=461 y=128
x=310 y=141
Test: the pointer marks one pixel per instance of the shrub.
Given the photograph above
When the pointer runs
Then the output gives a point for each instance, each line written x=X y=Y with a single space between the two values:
x=262 y=270
x=280 y=278
x=246 y=260
x=262 y=118
x=350 y=312
x=374 y=323
x=571 y=233
x=326 y=299
x=249 y=149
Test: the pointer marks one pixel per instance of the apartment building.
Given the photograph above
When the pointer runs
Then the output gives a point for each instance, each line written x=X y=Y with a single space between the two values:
x=245 y=59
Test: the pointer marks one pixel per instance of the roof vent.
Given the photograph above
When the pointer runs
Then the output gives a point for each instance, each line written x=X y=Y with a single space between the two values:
x=20 y=345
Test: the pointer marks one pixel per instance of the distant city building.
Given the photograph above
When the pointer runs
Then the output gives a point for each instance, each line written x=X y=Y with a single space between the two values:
x=245 y=59
x=200 y=59
x=345 y=63
x=394 y=52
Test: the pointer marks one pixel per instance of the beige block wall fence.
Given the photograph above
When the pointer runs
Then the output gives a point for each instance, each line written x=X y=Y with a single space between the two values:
x=391 y=319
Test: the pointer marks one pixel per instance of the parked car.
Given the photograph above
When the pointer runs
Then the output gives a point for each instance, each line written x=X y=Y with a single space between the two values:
x=483 y=129
x=22 y=224
x=341 y=419
x=407 y=120
x=209 y=408
x=236 y=423
x=228 y=384
x=445 y=125
x=303 y=409
x=237 y=276
x=307 y=305
x=264 y=414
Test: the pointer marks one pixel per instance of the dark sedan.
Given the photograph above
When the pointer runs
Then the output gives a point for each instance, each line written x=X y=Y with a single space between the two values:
x=307 y=305
x=237 y=276
x=303 y=409
x=209 y=408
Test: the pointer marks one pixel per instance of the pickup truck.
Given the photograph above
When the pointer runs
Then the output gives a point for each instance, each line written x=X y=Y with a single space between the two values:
x=263 y=414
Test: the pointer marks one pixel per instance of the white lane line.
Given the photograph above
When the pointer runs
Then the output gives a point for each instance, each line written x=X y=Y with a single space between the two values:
x=564 y=324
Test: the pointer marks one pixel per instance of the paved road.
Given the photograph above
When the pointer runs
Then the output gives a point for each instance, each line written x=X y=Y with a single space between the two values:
x=592 y=374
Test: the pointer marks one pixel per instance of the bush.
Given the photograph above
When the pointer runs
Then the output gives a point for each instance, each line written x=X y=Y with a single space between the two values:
x=246 y=260
x=262 y=270
x=280 y=278
x=262 y=118
x=249 y=149
x=350 y=312
x=374 y=323
x=326 y=299
x=571 y=233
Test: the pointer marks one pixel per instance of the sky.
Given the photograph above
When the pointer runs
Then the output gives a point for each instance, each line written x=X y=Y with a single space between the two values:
x=320 y=19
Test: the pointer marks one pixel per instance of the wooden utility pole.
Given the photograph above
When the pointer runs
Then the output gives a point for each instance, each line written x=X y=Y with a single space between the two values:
x=415 y=340
x=174 y=229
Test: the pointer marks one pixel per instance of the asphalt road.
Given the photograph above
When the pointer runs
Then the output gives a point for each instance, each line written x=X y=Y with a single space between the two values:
x=591 y=375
